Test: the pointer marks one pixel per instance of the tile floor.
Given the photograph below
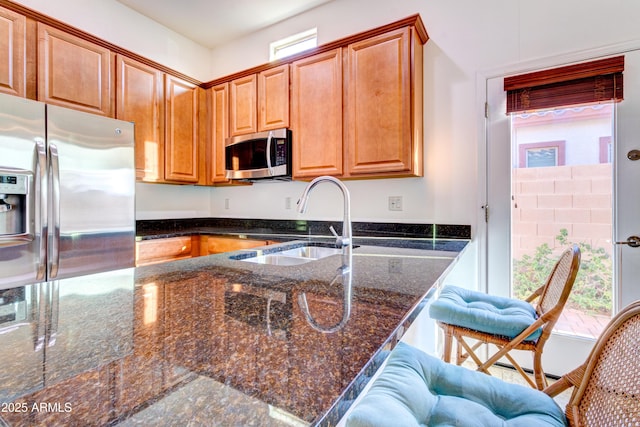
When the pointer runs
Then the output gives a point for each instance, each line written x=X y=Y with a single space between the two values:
x=512 y=376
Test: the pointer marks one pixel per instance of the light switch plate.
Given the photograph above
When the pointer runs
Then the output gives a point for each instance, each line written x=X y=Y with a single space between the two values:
x=395 y=203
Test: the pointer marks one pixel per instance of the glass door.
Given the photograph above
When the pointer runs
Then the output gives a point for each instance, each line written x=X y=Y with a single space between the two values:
x=561 y=193
x=558 y=177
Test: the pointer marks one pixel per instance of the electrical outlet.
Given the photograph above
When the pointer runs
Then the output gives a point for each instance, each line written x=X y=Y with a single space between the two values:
x=395 y=265
x=226 y=203
x=287 y=202
x=395 y=203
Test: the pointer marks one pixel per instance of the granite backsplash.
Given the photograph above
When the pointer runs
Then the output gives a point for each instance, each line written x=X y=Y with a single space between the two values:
x=301 y=227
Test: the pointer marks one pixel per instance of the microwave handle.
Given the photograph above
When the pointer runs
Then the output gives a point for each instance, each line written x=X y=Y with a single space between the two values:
x=269 y=138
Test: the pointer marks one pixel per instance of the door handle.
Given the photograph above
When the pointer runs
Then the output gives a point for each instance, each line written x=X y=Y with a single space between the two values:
x=269 y=167
x=54 y=259
x=633 y=155
x=632 y=241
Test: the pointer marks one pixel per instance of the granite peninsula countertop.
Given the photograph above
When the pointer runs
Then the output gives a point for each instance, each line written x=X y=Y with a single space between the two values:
x=211 y=340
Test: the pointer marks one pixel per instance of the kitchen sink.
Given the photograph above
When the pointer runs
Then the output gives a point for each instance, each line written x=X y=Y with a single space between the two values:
x=291 y=256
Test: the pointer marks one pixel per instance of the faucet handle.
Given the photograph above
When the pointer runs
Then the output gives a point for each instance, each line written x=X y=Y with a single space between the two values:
x=340 y=240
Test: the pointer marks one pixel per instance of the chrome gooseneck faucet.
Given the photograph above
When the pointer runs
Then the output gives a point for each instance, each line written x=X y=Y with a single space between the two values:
x=346 y=243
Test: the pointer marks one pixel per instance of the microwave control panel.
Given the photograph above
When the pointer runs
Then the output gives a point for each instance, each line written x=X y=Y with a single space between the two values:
x=281 y=152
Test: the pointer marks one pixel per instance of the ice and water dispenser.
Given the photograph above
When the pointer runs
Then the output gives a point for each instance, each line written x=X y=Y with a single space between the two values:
x=14 y=201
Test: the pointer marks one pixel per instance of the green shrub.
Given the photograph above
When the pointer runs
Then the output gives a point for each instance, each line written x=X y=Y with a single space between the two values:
x=592 y=289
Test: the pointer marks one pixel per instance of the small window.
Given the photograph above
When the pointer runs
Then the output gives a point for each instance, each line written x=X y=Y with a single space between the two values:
x=293 y=44
x=541 y=154
x=540 y=157
x=606 y=149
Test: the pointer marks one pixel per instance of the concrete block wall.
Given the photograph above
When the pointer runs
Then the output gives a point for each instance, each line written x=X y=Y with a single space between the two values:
x=548 y=199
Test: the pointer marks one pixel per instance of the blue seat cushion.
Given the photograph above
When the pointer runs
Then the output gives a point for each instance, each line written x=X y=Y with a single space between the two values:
x=415 y=389
x=485 y=313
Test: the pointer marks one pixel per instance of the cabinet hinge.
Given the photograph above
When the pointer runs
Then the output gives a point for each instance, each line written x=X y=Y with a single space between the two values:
x=486 y=213
x=486 y=110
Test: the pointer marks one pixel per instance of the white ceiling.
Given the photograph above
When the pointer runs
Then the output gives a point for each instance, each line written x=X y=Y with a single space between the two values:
x=214 y=22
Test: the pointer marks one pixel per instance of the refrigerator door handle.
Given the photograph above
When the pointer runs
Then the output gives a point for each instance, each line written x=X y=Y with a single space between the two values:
x=41 y=207
x=54 y=259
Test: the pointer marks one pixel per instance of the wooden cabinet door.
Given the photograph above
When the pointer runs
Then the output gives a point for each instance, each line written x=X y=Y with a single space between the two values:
x=139 y=94
x=219 y=103
x=216 y=245
x=154 y=251
x=243 y=105
x=316 y=115
x=12 y=52
x=73 y=72
x=273 y=98
x=181 y=130
x=379 y=130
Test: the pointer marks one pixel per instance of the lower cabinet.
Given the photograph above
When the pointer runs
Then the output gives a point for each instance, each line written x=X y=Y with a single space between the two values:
x=154 y=251
x=215 y=245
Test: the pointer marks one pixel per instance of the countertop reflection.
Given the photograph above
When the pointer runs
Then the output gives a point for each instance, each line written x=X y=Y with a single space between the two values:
x=208 y=340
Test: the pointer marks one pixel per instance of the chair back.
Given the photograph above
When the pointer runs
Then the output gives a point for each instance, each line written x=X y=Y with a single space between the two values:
x=560 y=282
x=609 y=393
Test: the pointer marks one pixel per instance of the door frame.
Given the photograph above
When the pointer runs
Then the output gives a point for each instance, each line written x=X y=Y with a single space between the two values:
x=556 y=343
x=482 y=77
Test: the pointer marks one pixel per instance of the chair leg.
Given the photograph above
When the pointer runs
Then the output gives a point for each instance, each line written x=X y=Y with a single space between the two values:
x=541 y=378
x=470 y=352
x=520 y=370
x=448 y=342
x=460 y=355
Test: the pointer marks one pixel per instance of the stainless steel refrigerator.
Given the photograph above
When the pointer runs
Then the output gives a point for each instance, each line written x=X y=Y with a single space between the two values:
x=67 y=193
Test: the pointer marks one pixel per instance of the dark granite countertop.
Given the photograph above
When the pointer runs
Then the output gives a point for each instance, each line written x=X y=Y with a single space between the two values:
x=211 y=340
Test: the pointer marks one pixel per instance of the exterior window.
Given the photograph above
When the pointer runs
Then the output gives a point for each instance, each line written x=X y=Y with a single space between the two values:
x=293 y=44
x=542 y=154
x=606 y=149
x=539 y=157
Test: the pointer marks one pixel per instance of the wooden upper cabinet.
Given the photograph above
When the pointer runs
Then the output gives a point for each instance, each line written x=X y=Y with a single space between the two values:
x=73 y=72
x=273 y=98
x=12 y=52
x=181 y=130
x=139 y=95
x=384 y=105
x=259 y=102
x=243 y=105
x=219 y=123
x=316 y=115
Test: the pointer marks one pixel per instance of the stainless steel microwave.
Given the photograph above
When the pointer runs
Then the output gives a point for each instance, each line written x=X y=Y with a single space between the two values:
x=259 y=156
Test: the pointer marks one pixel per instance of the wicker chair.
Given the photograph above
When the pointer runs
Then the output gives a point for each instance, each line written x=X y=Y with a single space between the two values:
x=607 y=385
x=508 y=324
x=415 y=389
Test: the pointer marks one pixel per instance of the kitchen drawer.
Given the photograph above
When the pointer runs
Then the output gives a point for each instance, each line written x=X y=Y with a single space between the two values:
x=160 y=250
x=216 y=245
